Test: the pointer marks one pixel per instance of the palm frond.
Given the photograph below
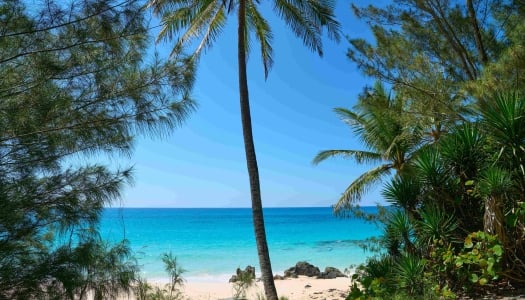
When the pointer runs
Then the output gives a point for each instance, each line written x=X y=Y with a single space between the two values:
x=402 y=192
x=215 y=27
x=430 y=167
x=161 y=7
x=322 y=11
x=357 y=122
x=494 y=181
x=263 y=33
x=208 y=13
x=436 y=224
x=191 y=19
x=504 y=117
x=351 y=118
x=358 y=155
x=360 y=186
x=302 y=26
x=174 y=17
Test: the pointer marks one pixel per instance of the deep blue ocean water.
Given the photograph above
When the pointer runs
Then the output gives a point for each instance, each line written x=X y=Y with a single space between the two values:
x=212 y=243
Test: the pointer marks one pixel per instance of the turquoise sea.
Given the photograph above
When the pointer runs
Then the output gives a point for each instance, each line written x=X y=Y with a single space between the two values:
x=211 y=243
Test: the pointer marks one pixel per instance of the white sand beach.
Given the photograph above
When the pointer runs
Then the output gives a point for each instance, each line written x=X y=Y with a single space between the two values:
x=293 y=289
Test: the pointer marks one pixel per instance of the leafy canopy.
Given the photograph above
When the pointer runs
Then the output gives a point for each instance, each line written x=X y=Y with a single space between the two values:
x=75 y=83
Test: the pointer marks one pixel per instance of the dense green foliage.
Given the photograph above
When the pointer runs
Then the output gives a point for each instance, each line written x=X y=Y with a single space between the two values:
x=452 y=129
x=74 y=85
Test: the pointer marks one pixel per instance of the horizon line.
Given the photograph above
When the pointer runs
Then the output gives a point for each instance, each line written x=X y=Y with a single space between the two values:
x=227 y=207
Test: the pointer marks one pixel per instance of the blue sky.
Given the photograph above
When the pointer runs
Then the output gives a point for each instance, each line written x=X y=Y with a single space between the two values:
x=202 y=164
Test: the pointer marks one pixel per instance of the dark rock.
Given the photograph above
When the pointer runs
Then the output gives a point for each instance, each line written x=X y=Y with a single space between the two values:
x=327 y=275
x=307 y=286
x=278 y=277
x=248 y=271
x=335 y=270
x=331 y=273
x=302 y=268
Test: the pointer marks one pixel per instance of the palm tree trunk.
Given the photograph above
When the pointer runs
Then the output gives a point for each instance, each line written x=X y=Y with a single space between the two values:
x=493 y=218
x=251 y=162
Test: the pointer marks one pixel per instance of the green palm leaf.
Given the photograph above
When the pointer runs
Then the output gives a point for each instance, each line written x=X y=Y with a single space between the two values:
x=377 y=120
x=358 y=155
x=353 y=119
x=436 y=225
x=403 y=192
x=263 y=33
x=204 y=19
x=306 y=18
x=494 y=182
x=360 y=186
x=505 y=116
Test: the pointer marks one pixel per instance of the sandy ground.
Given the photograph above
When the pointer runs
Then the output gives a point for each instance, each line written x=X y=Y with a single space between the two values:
x=293 y=289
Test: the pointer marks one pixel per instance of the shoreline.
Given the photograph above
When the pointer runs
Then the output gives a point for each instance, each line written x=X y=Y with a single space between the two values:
x=300 y=288
x=208 y=286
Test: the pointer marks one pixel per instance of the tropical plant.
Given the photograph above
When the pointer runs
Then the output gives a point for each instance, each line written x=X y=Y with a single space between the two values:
x=403 y=192
x=74 y=86
x=374 y=279
x=450 y=61
x=380 y=122
x=436 y=226
x=400 y=231
x=503 y=118
x=142 y=289
x=477 y=263
x=205 y=19
x=244 y=280
x=175 y=272
x=409 y=272
x=494 y=184
x=502 y=186
x=171 y=291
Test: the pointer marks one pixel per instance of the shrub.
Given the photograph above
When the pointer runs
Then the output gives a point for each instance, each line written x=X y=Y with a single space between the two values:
x=476 y=264
x=244 y=280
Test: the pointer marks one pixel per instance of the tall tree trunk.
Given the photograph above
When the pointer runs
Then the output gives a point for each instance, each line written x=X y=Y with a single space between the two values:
x=251 y=162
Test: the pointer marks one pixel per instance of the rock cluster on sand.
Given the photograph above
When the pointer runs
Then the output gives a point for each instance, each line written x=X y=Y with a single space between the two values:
x=303 y=268
x=331 y=273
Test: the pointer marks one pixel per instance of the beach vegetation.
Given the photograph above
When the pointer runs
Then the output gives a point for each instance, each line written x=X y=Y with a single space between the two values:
x=75 y=88
x=199 y=23
x=455 y=224
x=174 y=270
x=171 y=290
x=244 y=280
x=142 y=289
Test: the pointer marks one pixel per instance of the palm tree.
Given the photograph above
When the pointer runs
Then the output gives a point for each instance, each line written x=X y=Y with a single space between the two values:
x=494 y=184
x=205 y=19
x=379 y=121
x=503 y=117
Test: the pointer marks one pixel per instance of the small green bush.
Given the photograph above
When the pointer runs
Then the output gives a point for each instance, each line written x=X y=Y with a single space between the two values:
x=476 y=264
x=245 y=279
